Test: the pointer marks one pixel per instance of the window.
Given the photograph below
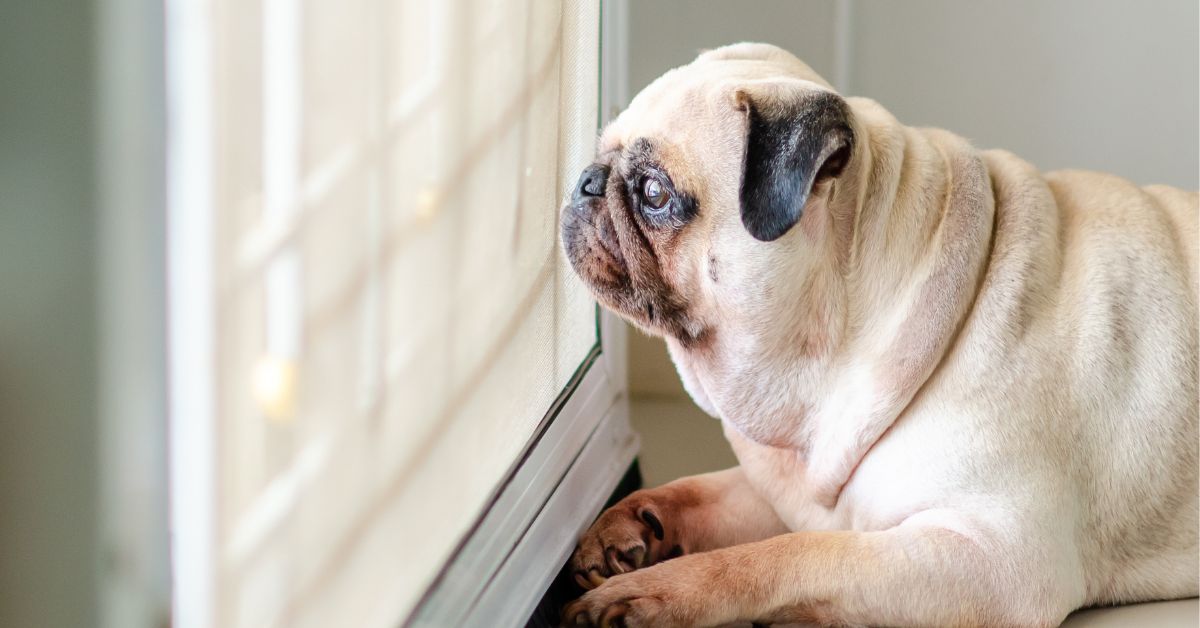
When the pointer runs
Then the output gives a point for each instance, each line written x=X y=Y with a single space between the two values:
x=372 y=324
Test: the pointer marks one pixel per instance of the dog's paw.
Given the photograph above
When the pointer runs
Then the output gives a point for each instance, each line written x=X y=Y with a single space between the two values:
x=630 y=535
x=656 y=596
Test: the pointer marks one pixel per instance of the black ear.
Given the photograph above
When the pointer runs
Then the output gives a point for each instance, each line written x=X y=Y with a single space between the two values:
x=791 y=145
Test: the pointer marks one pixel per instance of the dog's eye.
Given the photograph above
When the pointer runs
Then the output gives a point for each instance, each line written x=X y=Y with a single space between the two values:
x=655 y=193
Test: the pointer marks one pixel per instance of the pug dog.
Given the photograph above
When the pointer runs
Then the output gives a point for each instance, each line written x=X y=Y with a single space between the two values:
x=961 y=391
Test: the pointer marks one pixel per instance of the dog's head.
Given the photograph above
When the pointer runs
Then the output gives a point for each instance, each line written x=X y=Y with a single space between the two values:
x=706 y=203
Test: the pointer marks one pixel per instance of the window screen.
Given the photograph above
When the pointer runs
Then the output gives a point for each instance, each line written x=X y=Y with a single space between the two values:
x=391 y=314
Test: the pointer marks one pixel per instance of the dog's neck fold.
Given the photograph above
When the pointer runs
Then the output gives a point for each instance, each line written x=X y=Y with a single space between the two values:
x=921 y=240
x=909 y=245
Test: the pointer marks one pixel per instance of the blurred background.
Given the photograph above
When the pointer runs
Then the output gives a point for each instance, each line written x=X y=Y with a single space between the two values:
x=89 y=117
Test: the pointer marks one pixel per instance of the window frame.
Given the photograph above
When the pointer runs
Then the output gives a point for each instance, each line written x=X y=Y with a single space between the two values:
x=584 y=445
x=569 y=477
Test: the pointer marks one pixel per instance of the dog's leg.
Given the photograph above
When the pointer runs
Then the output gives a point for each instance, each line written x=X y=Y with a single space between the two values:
x=693 y=514
x=908 y=575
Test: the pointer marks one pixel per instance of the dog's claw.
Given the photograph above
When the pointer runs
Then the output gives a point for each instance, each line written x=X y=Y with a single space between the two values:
x=582 y=581
x=613 y=557
x=656 y=526
x=574 y=614
x=595 y=578
x=614 y=616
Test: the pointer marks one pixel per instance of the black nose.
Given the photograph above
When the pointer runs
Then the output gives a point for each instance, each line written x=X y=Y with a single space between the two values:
x=591 y=182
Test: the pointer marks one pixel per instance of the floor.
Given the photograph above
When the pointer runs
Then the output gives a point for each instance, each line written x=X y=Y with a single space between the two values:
x=678 y=439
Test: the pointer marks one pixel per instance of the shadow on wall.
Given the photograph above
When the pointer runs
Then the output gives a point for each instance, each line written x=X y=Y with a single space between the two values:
x=48 y=342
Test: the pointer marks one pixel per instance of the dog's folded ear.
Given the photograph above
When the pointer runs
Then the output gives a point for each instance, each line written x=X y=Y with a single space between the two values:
x=797 y=136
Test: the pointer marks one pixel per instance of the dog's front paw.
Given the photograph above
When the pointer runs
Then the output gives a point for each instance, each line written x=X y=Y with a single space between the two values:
x=663 y=595
x=630 y=535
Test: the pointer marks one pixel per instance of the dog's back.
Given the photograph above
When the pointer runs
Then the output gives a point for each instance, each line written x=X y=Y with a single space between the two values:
x=1091 y=295
x=1132 y=252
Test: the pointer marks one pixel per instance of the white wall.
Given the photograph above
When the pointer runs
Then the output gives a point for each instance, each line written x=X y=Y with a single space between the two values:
x=1107 y=85
x=667 y=33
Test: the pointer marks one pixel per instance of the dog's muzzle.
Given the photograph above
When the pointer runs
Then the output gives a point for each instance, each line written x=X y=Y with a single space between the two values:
x=591 y=184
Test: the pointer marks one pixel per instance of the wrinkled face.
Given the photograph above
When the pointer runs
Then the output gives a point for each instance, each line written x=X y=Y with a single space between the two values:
x=688 y=216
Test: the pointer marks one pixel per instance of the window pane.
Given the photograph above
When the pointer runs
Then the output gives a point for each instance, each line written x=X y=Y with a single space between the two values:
x=394 y=314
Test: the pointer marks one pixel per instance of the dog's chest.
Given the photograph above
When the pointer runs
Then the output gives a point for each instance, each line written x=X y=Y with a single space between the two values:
x=729 y=384
x=779 y=475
